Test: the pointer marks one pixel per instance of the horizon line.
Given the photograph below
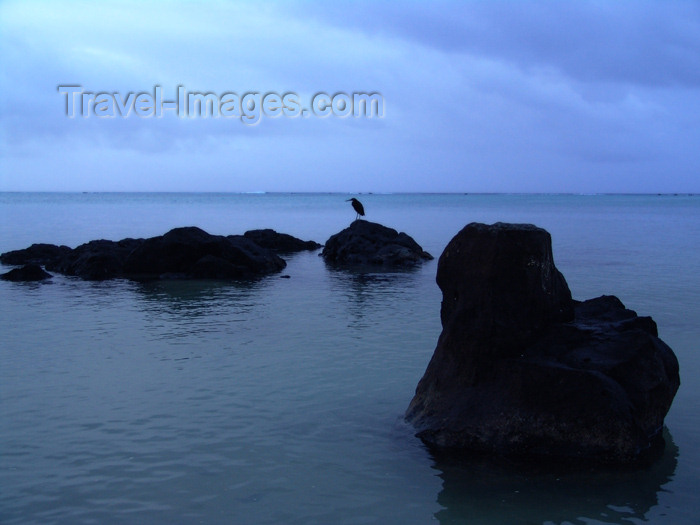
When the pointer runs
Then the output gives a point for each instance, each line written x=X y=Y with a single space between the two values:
x=482 y=193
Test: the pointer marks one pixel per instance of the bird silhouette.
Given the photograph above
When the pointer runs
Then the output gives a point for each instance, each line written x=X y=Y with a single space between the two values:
x=357 y=206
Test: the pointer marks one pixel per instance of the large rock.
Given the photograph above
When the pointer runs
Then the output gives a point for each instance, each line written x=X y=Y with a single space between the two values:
x=369 y=243
x=182 y=253
x=28 y=272
x=279 y=242
x=195 y=254
x=520 y=368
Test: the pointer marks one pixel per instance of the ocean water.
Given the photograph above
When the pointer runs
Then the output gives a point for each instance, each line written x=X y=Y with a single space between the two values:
x=281 y=400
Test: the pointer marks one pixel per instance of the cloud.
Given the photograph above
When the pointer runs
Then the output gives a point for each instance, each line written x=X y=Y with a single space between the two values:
x=638 y=42
x=479 y=96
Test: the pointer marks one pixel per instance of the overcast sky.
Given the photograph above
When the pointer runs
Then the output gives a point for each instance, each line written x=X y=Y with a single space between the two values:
x=497 y=96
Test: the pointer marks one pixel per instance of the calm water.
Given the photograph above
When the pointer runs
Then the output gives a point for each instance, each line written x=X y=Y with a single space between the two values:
x=281 y=401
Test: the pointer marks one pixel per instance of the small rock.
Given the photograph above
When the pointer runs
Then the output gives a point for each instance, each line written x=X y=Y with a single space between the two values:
x=28 y=272
x=369 y=243
x=279 y=242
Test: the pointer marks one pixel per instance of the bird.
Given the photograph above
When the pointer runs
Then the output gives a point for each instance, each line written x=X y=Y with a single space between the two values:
x=357 y=206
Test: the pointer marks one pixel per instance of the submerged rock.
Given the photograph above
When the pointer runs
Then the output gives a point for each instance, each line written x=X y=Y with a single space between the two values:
x=520 y=368
x=279 y=242
x=28 y=272
x=369 y=243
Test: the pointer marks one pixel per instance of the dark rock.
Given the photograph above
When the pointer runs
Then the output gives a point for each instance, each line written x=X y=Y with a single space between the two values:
x=195 y=254
x=369 y=243
x=28 y=272
x=279 y=242
x=39 y=254
x=520 y=368
x=500 y=284
x=96 y=260
x=185 y=253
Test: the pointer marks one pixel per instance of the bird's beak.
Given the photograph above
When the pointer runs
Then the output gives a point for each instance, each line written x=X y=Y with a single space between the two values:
x=348 y=200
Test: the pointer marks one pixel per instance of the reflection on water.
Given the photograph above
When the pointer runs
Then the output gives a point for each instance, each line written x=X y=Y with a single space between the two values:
x=193 y=295
x=366 y=290
x=180 y=310
x=479 y=490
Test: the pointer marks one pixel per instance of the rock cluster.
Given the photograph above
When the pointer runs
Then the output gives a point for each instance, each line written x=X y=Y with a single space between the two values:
x=182 y=253
x=368 y=243
x=520 y=368
x=192 y=253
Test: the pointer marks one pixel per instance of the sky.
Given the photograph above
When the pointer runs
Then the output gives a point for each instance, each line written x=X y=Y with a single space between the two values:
x=476 y=96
